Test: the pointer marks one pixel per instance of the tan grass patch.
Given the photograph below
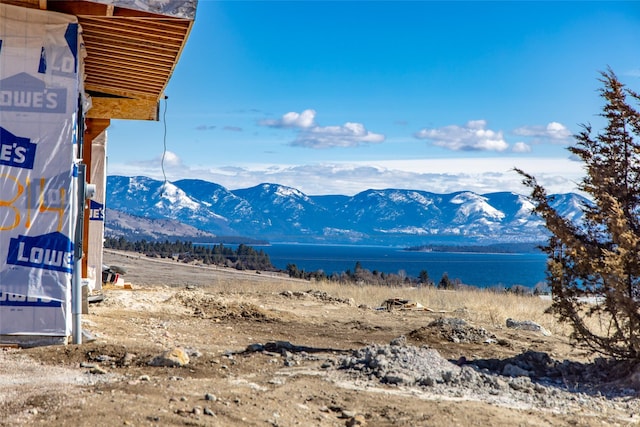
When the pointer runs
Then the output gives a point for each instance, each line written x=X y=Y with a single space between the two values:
x=475 y=305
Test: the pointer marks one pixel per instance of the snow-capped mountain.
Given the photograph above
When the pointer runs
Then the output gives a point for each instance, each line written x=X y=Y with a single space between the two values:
x=393 y=216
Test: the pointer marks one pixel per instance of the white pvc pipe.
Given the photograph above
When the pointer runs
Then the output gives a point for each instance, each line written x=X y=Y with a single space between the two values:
x=76 y=278
x=76 y=301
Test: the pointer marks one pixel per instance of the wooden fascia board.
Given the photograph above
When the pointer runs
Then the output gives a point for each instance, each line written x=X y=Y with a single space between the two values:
x=123 y=108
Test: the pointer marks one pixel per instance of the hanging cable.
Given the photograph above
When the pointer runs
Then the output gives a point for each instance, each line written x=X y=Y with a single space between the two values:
x=164 y=144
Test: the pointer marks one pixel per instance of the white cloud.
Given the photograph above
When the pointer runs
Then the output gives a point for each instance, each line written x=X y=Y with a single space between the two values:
x=553 y=130
x=521 y=147
x=471 y=137
x=171 y=159
x=348 y=135
x=557 y=130
x=484 y=175
x=303 y=120
x=311 y=135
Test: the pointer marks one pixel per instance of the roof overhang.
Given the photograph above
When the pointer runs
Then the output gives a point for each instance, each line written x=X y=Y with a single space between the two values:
x=132 y=49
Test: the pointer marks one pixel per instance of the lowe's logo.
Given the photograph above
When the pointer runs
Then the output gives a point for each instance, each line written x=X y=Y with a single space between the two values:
x=96 y=211
x=16 y=151
x=26 y=93
x=53 y=251
x=16 y=300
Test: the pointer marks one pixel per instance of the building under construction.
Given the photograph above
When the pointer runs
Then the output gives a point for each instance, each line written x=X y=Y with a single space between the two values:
x=66 y=69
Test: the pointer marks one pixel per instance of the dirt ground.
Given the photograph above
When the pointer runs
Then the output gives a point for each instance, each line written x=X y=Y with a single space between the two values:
x=257 y=358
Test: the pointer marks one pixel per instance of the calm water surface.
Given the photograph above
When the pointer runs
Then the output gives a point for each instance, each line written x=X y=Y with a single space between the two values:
x=482 y=270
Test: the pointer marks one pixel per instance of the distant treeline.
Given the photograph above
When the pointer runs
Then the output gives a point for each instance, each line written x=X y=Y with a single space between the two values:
x=247 y=258
x=362 y=276
x=235 y=240
x=243 y=258
x=497 y=248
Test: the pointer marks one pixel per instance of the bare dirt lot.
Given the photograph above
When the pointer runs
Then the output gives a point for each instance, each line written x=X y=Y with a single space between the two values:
x=191 y=345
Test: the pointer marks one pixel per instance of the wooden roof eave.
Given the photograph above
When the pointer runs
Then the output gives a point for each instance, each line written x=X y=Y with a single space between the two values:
x=138 y=107
x=131 y=54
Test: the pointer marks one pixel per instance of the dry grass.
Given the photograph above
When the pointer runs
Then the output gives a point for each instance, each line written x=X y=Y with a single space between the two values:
x=482 y=306
x=476 y=305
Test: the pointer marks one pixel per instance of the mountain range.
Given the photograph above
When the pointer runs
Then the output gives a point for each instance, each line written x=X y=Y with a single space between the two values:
x=141 y=207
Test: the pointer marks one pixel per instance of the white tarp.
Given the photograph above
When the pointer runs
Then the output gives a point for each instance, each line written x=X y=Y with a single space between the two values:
x=39 y=89
x=96 y=212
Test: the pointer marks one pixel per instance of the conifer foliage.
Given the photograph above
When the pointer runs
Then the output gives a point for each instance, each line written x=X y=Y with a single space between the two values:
x=594 y=266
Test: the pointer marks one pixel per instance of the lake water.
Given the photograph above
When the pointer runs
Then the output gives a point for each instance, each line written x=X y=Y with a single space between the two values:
x=482 y=270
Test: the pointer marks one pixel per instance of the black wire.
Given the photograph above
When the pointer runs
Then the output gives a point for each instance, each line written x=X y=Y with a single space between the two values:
x=164 y=143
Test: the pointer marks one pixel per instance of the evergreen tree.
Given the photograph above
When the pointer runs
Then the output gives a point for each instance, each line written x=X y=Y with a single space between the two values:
x=293 y=271
x=594 y=268
x=423 y=278
x=445 y=282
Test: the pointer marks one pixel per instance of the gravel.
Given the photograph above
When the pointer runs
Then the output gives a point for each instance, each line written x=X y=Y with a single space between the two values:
x=529 y=380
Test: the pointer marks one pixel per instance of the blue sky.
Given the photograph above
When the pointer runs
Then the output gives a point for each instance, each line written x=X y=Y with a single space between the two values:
x=339 y=97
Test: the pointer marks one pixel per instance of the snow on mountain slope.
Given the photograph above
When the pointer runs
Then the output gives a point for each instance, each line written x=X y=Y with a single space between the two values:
x=391 y=216
x=472 y=206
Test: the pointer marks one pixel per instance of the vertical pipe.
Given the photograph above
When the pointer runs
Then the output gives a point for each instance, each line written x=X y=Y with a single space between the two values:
x=76 y=283
x=76 y=301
